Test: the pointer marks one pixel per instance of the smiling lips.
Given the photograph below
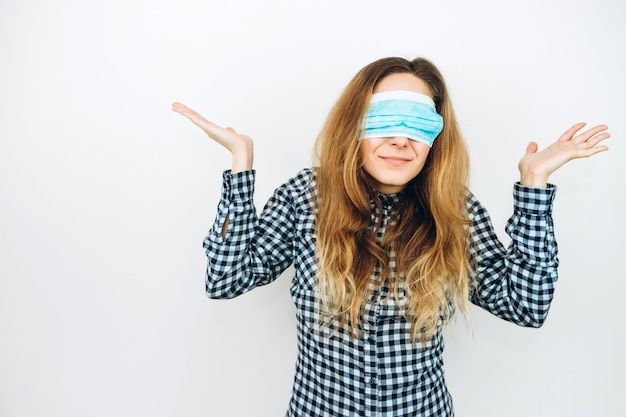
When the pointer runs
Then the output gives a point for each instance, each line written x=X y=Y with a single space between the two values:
x=395 y=160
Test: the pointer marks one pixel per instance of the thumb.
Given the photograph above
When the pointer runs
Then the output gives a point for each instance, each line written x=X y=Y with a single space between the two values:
x=532 y=147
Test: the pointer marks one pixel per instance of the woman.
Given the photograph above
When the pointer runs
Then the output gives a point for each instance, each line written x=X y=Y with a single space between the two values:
x=387 y=242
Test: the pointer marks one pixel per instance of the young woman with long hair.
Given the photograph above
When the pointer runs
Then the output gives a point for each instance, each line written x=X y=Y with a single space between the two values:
x=387 y=242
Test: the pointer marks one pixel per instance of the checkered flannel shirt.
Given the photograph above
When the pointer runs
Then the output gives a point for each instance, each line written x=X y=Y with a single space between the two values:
x=383 y=373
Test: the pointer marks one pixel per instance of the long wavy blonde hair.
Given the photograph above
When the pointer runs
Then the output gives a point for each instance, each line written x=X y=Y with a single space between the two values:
x=429 y=235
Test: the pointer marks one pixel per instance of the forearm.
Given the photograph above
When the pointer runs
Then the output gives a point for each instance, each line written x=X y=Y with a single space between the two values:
x=517 y=284
x=227 y=273
x=244 y=250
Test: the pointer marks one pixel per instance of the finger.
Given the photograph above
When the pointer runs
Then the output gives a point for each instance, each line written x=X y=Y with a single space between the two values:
x=592 y=151
x=594 y=140
x=178 y=107
x=213 y=130
x=184 y=110
x=532 y=147
x=569 y=133
x=591 y=133
x=181 y=108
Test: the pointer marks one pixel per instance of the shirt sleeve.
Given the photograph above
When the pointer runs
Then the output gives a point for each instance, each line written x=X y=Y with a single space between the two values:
x=255 y=249
x=516 y=283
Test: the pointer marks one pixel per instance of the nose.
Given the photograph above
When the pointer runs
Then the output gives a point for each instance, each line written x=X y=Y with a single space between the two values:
x=400 y=141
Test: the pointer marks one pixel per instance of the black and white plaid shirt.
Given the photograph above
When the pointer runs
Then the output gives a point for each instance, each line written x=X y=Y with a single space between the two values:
x=383 y=373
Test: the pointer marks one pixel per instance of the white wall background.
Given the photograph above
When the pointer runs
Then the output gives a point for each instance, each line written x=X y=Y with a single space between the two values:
x=105 y=194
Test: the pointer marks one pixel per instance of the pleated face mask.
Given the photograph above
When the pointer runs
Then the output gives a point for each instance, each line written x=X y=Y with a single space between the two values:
x=402 y=113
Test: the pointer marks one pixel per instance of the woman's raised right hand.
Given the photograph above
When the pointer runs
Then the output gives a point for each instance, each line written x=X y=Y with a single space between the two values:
x=240 y=146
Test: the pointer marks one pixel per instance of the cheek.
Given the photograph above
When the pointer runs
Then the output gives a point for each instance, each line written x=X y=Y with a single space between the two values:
x=367 y=148
x=369 y=144
x=421 y=150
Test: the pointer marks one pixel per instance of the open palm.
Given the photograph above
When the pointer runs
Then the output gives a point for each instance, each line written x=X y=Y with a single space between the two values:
x=240 y=146
x=536 y=166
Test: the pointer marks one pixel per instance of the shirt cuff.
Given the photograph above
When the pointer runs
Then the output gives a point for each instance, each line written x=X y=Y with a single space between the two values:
x=238 y=186
x=534 y=201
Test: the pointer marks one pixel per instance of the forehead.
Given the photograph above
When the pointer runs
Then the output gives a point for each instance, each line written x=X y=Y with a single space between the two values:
x=402 y=81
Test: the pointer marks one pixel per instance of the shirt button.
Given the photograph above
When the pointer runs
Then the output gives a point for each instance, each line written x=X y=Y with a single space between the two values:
x=372 y=381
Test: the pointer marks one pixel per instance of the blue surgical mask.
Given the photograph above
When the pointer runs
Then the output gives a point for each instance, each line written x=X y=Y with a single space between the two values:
x=402 y=113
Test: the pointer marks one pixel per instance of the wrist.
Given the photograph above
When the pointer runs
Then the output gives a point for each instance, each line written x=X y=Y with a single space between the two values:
x=243 y=158
x=533 y=180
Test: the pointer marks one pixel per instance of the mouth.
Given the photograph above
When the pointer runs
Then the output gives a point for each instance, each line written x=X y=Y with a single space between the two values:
x=394 y=160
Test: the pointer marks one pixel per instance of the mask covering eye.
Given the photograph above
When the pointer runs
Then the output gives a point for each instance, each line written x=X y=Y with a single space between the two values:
x=402 y=113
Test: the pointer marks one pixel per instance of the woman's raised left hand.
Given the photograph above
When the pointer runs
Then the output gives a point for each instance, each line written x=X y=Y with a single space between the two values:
x=536 y=166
